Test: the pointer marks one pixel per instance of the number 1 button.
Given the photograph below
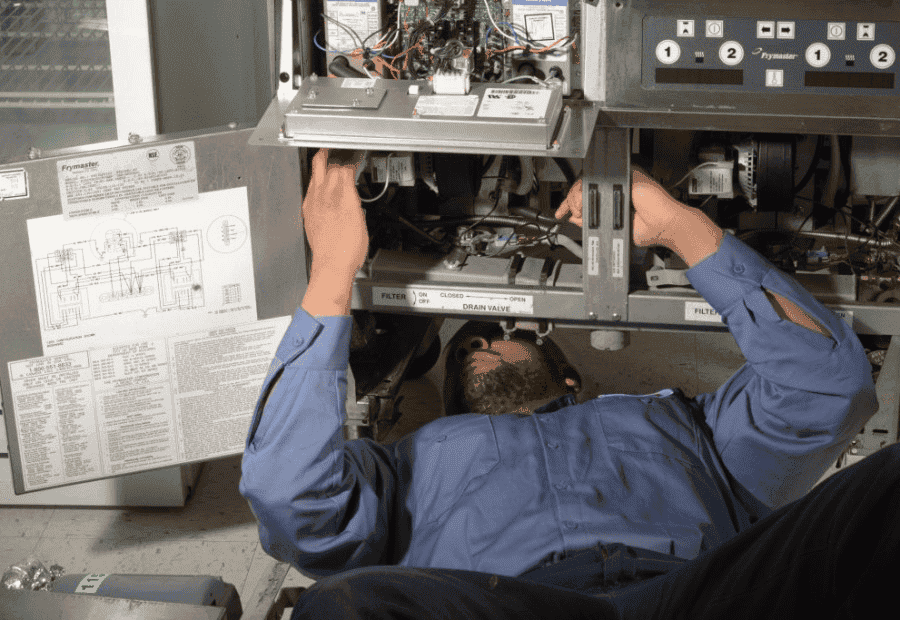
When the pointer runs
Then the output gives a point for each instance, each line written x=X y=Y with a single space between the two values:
x=668 y=52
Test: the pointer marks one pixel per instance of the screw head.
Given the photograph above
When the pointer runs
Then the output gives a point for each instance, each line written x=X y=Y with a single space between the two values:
x=616 y=316
x=592 y=315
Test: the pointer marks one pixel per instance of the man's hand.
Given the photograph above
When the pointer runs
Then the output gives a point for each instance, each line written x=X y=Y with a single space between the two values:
x=333 y=218
x=659 y=219
x=336 y=230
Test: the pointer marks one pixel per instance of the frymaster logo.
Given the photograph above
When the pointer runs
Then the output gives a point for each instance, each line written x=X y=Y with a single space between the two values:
x=90 y=164
x=766 y=56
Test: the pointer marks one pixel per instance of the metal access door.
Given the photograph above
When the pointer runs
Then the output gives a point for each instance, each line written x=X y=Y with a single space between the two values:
x=145 y=289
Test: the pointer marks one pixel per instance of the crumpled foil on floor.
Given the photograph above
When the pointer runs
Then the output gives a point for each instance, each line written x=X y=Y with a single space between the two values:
x=31 y=574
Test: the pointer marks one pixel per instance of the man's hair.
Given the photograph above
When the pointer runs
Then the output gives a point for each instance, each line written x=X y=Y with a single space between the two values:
x=509 y=386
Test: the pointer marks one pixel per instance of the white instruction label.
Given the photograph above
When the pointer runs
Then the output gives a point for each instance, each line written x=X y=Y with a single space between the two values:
x=515 y=103
x=545 y=21
x=126 y=182
x=13 y=184
x=593 y=256
x=90 y=583
x=712 y=181
x=141 y=405
x=701 y=311
x=400 y=168
x=446 y=105
x=465 y=301
x=618 y=258
x=359 y=16
x=358 y=83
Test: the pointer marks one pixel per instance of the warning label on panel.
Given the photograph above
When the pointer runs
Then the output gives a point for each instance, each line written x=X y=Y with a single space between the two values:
x=13 y=184
x=515 y=103
x=446 y=105
x=464 y=301
x=125 y=182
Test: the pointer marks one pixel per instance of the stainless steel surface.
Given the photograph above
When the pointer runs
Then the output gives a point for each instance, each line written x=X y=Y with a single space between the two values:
x=388 y=113
x=55 y=54
x=882 y=428
x=28 y=605
x=606 y=251
x=574 y=135
x=224 y=160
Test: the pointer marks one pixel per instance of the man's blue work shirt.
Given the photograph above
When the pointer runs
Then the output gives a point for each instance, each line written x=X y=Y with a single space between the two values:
x=500 y=494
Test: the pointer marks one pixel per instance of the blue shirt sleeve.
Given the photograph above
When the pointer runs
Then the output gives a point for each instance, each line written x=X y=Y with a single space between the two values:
x=789 y=412
x=323 y=505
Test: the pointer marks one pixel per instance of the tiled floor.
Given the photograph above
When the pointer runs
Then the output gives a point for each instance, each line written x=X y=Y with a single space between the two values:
x=216 y=534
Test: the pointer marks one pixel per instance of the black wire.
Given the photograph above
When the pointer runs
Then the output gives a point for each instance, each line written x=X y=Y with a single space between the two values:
x=817 y=157
x=566 y=169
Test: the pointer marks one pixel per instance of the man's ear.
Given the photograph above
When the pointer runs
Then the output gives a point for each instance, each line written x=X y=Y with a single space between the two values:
x=572 y=380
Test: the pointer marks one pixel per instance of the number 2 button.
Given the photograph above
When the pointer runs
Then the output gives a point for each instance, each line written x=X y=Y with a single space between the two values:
x=883 y=56
x=731 y=53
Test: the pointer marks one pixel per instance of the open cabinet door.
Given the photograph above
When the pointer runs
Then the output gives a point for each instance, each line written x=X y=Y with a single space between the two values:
x=145 y=289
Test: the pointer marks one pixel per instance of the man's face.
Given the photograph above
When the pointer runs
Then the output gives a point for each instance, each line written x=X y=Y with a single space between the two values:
x=479 y=357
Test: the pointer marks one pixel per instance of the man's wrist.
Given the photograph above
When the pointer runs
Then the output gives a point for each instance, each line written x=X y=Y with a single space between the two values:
x=695 y=237
x=328 y=295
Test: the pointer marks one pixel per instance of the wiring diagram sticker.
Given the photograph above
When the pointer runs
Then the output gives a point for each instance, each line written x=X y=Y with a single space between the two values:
x=123 y=277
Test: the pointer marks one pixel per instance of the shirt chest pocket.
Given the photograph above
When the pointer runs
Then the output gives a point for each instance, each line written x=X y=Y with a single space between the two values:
x=446 y=461
x=655 y=428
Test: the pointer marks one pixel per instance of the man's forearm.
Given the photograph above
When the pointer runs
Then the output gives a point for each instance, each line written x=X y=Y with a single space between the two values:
x=698 y=238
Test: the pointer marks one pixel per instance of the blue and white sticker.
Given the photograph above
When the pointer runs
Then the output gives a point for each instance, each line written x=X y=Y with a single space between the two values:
x=90 y=583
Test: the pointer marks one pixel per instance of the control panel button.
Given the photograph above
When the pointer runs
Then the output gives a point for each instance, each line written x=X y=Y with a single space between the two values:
x=765 y=30
x=883 y=56
x=818 y=55
x=715 y=28
x=865 y=32
x=786 y=30
x=775 y=78
x=731 y=53
x=685 y=28
x=668 y=52
x=837 y=31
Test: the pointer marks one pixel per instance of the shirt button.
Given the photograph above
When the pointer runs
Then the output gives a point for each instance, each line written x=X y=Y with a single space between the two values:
x=571 y=525
x=298 y=341
x=552 y=444
x=739 y=269
x=562 y=486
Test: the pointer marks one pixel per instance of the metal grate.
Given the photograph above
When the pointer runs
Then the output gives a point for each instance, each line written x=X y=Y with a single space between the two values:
x=54 y=54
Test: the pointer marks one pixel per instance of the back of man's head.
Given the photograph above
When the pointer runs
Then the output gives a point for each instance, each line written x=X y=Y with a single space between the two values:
x=486 y=374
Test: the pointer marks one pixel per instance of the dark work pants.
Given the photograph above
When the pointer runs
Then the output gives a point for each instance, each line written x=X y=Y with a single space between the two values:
x=834 y=553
